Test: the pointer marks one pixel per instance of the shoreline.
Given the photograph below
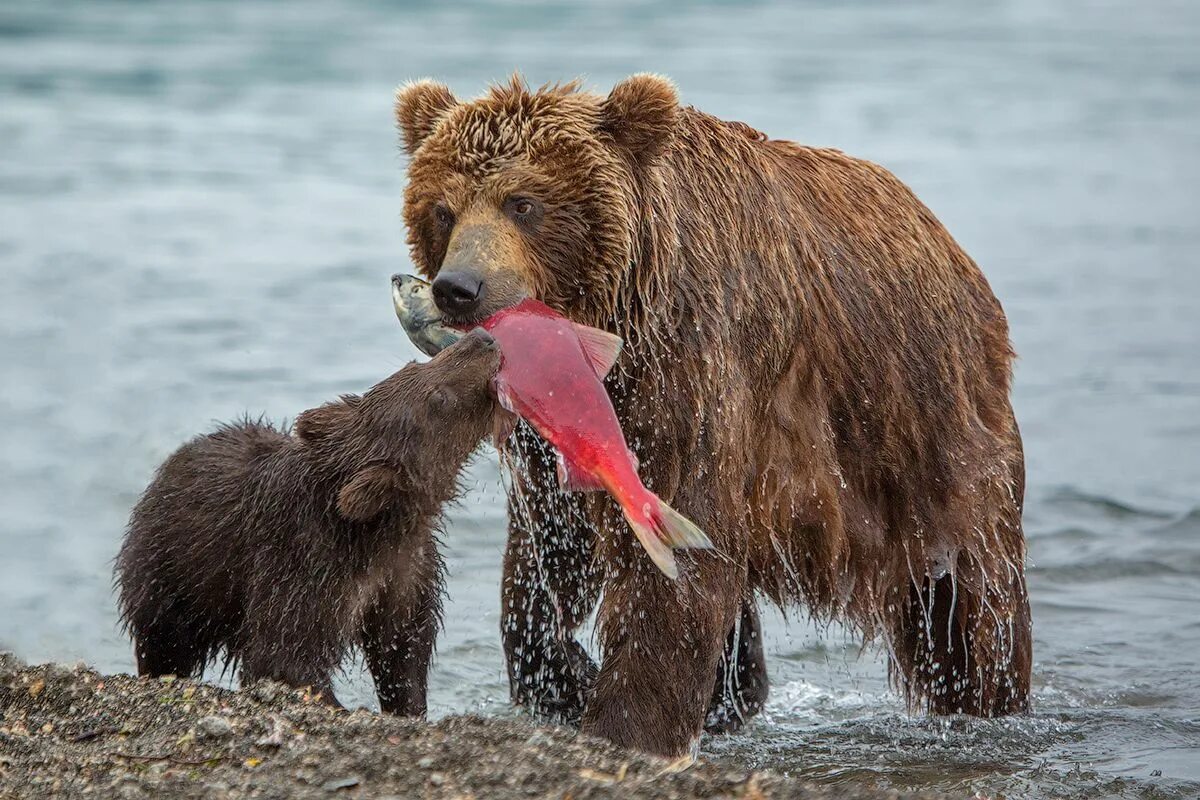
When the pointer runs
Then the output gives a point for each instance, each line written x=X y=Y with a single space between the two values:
x=68 y=731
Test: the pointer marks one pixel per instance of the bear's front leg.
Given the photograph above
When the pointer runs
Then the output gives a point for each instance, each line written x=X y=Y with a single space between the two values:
x=544 y=598
x=662 y=641
x=741 y=688
x=399 y=630
x=549 y=587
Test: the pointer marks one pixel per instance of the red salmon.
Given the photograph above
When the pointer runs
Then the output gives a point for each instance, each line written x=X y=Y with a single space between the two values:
x=550 y=375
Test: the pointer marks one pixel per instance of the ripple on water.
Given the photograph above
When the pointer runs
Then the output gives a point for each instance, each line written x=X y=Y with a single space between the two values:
x=1080 y=504
x=860 y=738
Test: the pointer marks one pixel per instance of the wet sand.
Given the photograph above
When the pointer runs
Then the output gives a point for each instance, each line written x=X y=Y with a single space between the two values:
x=70 y=732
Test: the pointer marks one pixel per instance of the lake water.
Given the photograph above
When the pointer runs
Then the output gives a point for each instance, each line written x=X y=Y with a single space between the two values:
x=199 y=211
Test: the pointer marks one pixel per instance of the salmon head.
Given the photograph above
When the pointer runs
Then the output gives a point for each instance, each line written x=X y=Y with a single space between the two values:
x=529 y=193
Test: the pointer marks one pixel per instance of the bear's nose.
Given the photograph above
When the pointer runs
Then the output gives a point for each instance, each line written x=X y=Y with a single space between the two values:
x=458 y=294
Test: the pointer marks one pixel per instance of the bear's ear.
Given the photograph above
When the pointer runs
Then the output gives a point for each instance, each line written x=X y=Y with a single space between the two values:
x=419 y=106
x=370 y=492
x=640 y=114
x=318 y=423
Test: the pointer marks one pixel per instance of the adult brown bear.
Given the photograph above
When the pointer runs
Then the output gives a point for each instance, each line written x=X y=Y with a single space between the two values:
x=814 y=372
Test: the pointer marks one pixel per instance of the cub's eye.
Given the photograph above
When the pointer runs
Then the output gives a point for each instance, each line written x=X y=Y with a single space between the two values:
x=444 y=216
x=524 y=209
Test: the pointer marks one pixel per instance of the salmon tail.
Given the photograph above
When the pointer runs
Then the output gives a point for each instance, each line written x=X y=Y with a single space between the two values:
x=679 y=531
x=662 y=529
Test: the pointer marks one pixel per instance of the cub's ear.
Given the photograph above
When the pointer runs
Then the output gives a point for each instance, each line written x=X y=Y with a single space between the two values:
x=419 y=106
x=370 y=491
x=318 y=423
x=640 y=114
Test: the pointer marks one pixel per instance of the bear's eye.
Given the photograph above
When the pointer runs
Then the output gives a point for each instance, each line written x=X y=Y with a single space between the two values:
x=444 y=216
x=523 y=209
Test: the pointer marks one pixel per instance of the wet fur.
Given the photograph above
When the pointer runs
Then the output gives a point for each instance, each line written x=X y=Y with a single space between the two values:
x=280 y=550
x=815 y=373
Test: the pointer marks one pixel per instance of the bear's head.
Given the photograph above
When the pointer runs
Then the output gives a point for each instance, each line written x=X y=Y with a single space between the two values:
x=530 y=193
x=405 y=439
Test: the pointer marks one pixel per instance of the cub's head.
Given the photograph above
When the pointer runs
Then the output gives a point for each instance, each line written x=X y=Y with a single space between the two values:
x=529 y=193
x=407 y=437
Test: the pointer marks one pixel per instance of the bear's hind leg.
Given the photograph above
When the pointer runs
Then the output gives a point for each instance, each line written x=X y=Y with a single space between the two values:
x=288 y=638
x=962 y=652
x=302 y=665
x=168 y=645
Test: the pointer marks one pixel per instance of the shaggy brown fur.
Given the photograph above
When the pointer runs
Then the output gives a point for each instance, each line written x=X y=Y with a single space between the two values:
x=284 y=550
x=815 y=373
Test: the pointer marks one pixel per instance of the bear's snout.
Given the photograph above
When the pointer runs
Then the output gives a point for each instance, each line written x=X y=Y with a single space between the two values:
x=458 y=294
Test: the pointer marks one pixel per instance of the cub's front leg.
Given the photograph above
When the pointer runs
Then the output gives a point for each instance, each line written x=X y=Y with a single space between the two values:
x=399 y=630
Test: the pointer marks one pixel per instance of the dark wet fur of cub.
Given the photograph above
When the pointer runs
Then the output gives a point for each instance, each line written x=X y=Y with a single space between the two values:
x=281 y=550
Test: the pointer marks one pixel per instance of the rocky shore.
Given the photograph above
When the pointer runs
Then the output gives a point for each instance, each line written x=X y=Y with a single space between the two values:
x=72 y=732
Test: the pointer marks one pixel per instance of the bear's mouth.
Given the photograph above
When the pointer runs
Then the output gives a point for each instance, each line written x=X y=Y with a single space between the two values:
x=423 y=321
x=492 y=306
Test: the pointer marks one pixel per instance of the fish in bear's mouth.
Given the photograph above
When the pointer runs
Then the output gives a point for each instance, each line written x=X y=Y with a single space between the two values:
x=424 y=323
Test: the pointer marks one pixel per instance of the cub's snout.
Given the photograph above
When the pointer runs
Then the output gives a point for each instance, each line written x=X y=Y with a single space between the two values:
x=466 y=368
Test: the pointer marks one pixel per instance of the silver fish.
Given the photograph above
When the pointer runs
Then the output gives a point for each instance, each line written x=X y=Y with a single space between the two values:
x=413 y=300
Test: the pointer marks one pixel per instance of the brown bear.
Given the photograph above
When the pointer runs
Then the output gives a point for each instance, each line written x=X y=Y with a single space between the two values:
x=815 y=373
x=281 y=550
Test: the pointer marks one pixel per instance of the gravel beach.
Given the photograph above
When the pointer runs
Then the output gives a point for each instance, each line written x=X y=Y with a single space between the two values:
x=70 y=732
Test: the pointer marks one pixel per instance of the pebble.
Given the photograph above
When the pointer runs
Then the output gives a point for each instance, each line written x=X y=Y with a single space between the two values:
x=214 y=727
x=437 y=779
x=59 y=673
x=425 y=762
x=10 y=664
x=126 y=789
x=340 y=783
x=265 y=691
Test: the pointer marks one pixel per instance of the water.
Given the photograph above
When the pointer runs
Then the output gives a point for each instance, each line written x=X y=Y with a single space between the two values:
x=199 y=210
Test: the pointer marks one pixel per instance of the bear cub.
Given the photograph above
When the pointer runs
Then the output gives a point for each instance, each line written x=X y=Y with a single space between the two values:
x=282 y=550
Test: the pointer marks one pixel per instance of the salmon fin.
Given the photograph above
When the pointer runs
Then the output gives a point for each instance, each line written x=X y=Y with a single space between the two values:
x=573 y=479
x=679 y=531
x=504 y=422
x=655 y=547
x=663 y=529
x=601 y=348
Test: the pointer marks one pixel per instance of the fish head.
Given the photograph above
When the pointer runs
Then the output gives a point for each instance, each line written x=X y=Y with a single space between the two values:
x=531 y=193
x=412 y=299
